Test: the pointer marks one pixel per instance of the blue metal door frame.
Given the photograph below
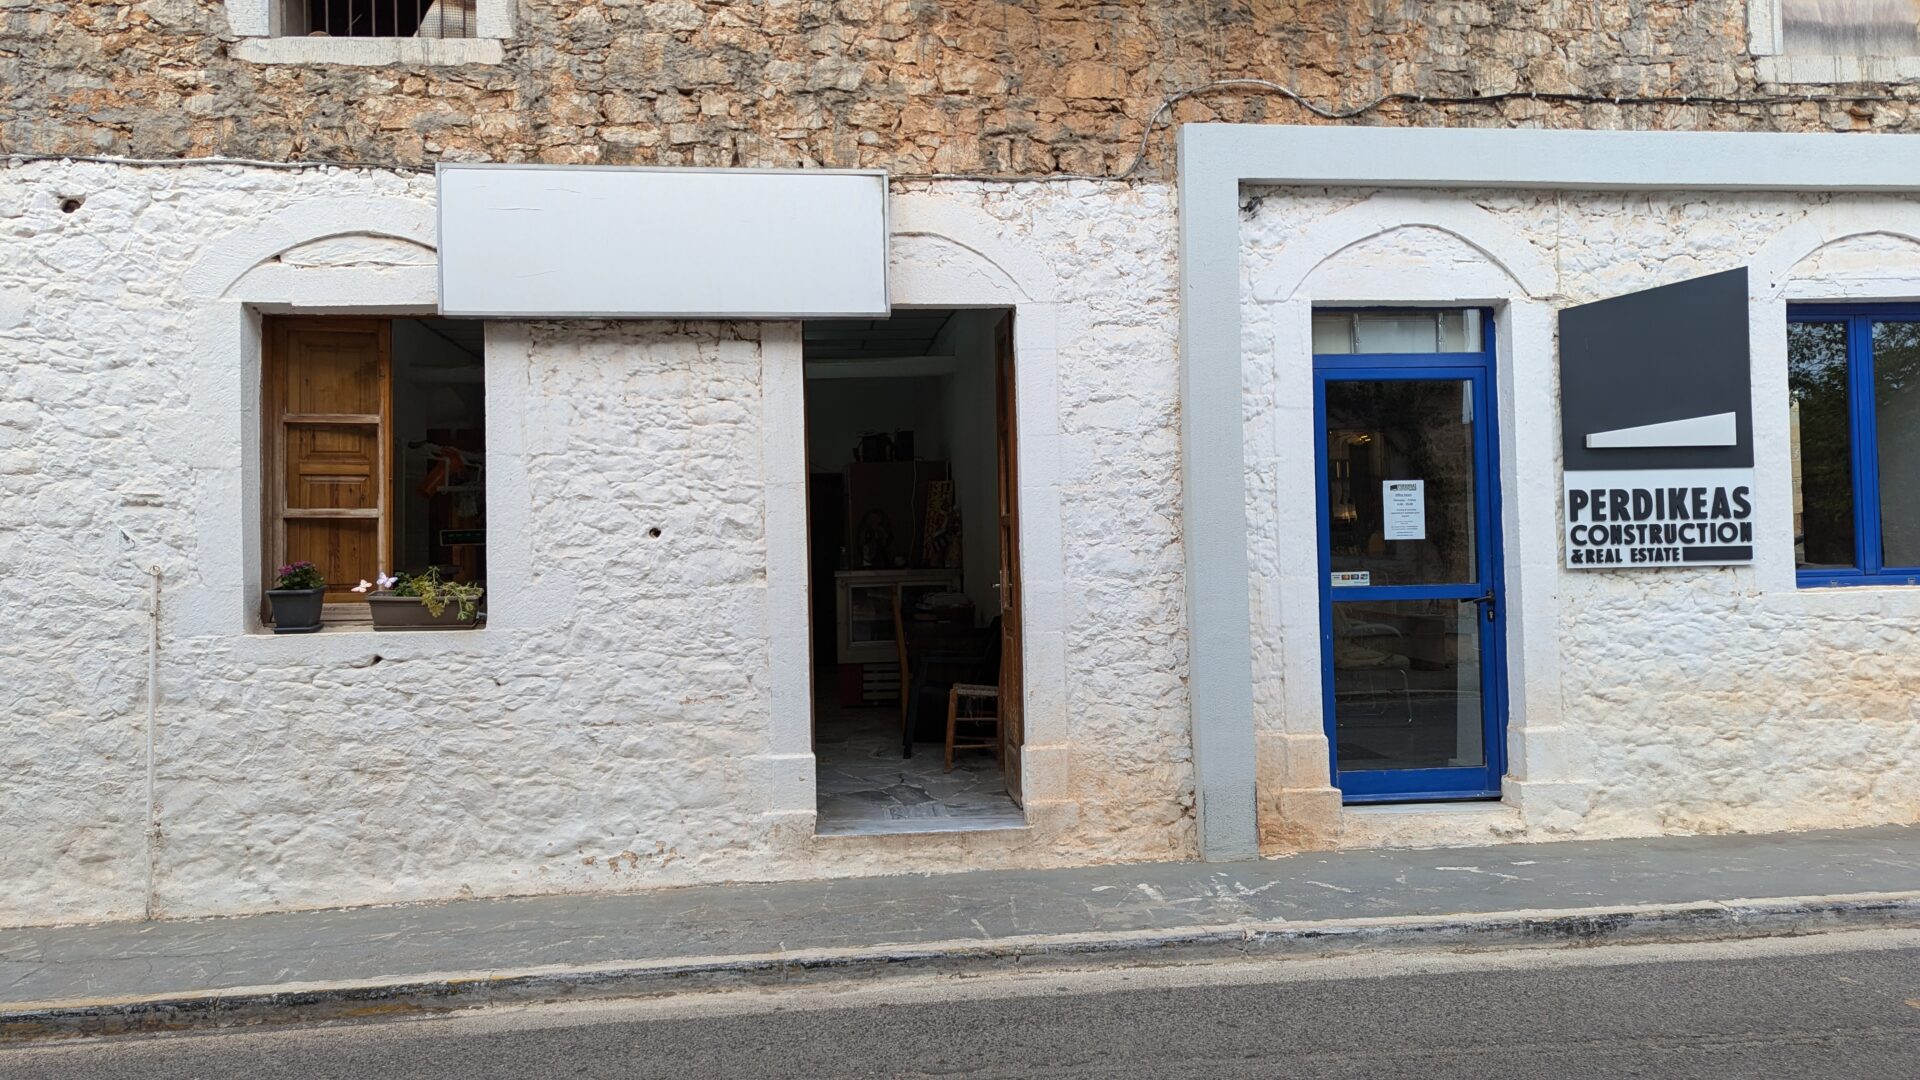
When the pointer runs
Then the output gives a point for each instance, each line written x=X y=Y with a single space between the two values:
x=1406 y=785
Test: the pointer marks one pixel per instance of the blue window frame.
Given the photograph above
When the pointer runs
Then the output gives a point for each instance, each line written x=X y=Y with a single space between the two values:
x=1853 y=381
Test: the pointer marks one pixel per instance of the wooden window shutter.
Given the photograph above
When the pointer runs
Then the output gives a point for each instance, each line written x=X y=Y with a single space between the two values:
x=328 y=392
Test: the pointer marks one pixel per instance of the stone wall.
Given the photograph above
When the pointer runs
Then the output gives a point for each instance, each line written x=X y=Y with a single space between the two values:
x=916 y=86
x=610 y=730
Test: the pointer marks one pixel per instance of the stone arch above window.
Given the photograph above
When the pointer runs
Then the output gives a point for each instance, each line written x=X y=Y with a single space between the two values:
x=440 y=32
x=1857 y=250
x=377 y=235
x=1411 y=247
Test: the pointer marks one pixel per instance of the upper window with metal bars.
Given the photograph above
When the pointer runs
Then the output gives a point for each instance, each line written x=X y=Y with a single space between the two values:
x=370 y=32
x=380 y=18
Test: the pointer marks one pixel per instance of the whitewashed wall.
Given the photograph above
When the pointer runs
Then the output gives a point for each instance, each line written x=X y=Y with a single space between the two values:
x=1650 y=701
x=627 y=720
x=622 y=723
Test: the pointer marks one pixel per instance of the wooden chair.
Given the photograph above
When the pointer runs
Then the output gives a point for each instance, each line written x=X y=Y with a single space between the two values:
x=935 y=673
x=978 y=707
x=1369 y=667
x=900 y=650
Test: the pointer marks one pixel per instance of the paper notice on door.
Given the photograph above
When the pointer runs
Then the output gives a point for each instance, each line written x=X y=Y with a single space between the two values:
x=1405 y=504
x=1349 y=579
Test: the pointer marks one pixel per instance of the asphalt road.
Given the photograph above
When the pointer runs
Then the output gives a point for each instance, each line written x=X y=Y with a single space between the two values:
x=1843 y=1005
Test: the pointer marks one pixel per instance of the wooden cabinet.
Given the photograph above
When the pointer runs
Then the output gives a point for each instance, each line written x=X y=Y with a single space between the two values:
x=864 y=602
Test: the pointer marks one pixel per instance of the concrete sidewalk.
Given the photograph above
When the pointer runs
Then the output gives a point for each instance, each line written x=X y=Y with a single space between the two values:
x=325 y=964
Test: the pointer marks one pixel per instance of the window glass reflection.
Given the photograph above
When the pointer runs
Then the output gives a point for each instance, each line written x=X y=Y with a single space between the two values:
x=1382 y=432
x=1344 y=333
x=1896 y=408
x=1406 y=684
x=1822 y=445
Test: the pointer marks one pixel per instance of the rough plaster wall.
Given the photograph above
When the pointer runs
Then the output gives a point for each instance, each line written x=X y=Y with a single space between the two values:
x=1126 y=634
x=611 y=750
x=912 y=85
x=1694 y=700
x=614 y=746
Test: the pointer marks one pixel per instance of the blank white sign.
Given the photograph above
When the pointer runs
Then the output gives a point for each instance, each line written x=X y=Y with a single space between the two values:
x=543 y=241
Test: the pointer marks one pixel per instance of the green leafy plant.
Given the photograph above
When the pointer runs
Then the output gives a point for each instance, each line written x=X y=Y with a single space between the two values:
x=300 y=575
x=435 y=592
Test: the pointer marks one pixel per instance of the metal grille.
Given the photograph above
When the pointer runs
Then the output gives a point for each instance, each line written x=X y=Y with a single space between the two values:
x=388 y=18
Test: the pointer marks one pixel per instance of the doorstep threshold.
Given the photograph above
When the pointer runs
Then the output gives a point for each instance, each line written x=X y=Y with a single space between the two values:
x=1458 y=807
x=919 y=827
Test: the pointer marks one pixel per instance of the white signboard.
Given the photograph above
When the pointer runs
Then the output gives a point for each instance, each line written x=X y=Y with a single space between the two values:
x=1352 y=579
x=1405 y=506
x=532 y=241
x=1659 y=517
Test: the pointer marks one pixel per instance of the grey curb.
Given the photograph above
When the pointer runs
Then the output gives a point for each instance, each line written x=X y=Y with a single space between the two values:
x=417 y=995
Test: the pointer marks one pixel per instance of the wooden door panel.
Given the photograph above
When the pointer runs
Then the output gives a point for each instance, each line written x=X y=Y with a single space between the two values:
x=345 y=551
x=327 y=410
x=332 y=371
x=333 y=468
x=1012 y=701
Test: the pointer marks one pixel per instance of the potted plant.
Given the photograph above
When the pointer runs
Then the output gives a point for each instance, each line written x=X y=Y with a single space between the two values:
x=296 y=597
x=424 y=601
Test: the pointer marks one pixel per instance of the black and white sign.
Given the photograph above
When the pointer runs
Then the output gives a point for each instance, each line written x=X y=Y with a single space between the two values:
x=1656 y=412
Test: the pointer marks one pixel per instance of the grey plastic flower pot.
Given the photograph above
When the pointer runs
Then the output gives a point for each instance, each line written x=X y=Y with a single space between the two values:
x=296 y=611
x=392 y=612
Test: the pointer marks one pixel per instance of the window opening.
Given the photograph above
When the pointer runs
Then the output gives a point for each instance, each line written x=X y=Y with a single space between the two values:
x=379 y=18
x=1850 y=27
x=375 y=453
x=912 y=609
x=1346 y=333
x=1853 y=381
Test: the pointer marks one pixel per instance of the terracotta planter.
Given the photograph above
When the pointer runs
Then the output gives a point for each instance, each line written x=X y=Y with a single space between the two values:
x=296 y=611
x=392 y=612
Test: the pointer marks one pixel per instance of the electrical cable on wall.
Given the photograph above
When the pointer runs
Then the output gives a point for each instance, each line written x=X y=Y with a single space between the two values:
x=1154 y=119
x=1353 y=112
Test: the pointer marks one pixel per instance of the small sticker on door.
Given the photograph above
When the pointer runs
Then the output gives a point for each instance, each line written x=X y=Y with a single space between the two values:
x=1405 y=508
x=1346 y=579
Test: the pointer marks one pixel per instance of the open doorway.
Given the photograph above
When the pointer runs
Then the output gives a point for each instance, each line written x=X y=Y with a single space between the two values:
x=913 y=580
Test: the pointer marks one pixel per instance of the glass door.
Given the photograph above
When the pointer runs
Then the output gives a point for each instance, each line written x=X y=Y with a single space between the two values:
x=1411 y=619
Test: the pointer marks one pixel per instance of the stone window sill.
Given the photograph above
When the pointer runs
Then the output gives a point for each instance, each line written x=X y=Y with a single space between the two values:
x=1836 y=70
x=332 y=627
x=345 y=619
x=1901 y=602
x=1889 y=583
x=369 y=52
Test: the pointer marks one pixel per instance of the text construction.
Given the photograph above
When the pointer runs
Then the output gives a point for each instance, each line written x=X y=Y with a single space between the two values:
x=1659 y=517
